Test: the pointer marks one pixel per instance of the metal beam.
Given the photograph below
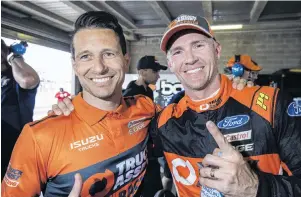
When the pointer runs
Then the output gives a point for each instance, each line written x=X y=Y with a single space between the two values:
x=115 y=9
x=280 y=16
x=7 y=33
x=150 y=23
x=260 y=26
x=207 y=9
x=161 y=10
x=257 y=9
x=34 y=27
x=78 y=6
x=86 y=6
x=40 y=12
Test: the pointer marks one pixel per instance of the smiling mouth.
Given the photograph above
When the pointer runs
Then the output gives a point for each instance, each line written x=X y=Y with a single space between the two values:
x=194 y=70
x=100 y=80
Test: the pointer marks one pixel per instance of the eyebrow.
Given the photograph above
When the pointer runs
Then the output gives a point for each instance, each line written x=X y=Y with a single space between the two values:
x=103 y=50
x=79 y=54
x=194 y=42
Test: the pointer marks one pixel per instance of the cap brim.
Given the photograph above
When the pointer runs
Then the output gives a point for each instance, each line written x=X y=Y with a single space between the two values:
x=254 y=68
x=177 y=28
x=159 y=67
x=163 y=67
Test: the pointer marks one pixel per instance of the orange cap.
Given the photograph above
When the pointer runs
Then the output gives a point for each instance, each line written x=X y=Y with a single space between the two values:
x=246 y=61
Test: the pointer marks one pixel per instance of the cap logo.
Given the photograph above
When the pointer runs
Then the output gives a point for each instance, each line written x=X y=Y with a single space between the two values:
x=184 y=19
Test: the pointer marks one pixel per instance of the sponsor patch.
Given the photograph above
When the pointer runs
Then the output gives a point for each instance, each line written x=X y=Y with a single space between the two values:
x=294 y=109
x=260 y=100
x=136 y=125
x=244 y=147
x=88 y=143
x=133 y=123
x=211 y=105
x=11 y=177
x=233 y=121
x=239 y=136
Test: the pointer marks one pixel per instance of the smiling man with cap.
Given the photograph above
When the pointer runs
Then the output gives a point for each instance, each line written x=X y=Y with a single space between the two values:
x=219 y=141
x=148 y=70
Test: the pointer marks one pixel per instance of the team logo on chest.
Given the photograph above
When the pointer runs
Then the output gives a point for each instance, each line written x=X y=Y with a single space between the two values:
x=233 y=122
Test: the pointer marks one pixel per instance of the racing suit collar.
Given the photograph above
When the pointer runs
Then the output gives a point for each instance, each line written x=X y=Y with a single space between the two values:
x=213 y=102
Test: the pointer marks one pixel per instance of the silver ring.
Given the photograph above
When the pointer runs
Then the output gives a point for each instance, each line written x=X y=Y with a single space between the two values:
x=212 y=172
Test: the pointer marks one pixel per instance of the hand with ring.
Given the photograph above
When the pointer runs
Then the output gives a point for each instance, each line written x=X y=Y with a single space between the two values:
x=226 y=170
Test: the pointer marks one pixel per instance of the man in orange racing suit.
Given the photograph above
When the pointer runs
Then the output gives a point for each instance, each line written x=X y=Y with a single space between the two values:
x=261 y=124
x=104 y=138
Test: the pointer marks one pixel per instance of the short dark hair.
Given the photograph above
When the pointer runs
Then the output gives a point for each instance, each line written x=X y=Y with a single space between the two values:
x=99 y=19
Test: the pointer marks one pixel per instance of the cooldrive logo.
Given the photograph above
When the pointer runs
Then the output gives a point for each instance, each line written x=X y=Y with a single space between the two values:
x=233 y=122
x=294 y=109
x=168 y=89
x=88 y=143
x=178 y=164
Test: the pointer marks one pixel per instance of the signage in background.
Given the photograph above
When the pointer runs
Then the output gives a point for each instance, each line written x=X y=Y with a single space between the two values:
x=166 y=87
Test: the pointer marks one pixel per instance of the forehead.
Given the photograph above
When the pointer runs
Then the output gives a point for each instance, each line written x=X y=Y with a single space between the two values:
x=188 y=38
x=86 y=38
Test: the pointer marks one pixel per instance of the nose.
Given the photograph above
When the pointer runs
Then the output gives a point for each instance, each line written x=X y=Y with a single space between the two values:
x=99 y=67
x=190 y=58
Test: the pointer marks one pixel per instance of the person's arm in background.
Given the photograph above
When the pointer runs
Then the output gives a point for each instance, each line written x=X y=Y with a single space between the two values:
x=24 y=74
x=287 y=132
x=158 y=152
x=26 y=173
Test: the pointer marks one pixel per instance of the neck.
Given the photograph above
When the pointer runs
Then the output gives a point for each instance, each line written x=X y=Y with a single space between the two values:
x=109 y=104
x=211 y=88
x=141 y=82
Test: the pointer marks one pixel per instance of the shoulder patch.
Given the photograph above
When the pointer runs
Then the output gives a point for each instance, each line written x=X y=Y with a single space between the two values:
x=294 y=109
x=263 y=102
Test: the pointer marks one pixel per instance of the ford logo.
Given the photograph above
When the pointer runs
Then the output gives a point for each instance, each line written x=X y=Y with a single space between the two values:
x=294 y=109
x=233 y=122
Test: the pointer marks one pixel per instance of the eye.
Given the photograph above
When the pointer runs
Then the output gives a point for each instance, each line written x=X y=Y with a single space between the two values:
x=176 y=52
x=109 y=55
x=199 y=45
x=85 y=57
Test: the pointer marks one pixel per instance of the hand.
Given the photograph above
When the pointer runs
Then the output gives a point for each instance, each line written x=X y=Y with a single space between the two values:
x=77 y=187
x=65 y=107
x=231 y=174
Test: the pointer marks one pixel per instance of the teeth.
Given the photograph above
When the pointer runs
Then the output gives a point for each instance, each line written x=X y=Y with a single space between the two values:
x=194 y=70
x=101 y=80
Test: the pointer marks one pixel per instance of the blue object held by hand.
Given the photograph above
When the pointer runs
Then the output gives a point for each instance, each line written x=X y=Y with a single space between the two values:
x=18 y=48
x=237 y=70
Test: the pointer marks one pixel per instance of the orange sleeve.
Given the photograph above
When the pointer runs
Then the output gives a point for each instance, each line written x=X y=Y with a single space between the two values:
x=26 y=172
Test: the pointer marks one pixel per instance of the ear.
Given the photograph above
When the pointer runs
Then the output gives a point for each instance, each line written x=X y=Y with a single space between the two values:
x=74 y=66
x=127 y=59
x=218 y=50
x=170 y=65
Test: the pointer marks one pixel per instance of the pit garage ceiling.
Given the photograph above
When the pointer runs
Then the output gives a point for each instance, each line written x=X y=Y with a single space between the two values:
x=50 y=23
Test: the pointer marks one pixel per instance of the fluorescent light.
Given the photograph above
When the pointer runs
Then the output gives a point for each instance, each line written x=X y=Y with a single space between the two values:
x=295 y=70
x=223 y=27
